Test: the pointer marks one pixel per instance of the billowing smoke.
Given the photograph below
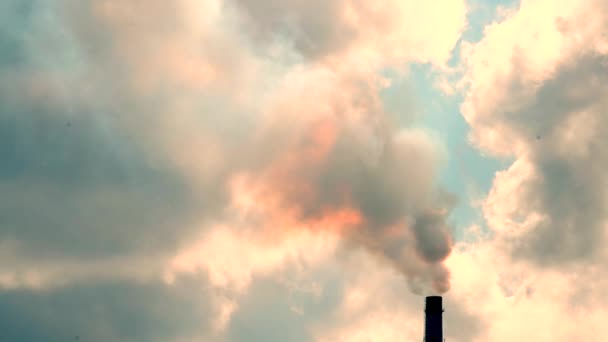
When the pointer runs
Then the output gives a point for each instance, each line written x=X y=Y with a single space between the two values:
x=273 y=117
x=339 y=165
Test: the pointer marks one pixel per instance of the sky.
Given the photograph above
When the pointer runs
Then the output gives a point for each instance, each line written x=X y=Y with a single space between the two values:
x=238 y=170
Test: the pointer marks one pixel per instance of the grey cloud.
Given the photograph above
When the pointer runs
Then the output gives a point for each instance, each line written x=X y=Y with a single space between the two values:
x=578 y=85
x=71 y=185
x=315 y=28
x=15 y=16
x=107 y=311
x=569 y=186
x=84 y=172
x=560 y=126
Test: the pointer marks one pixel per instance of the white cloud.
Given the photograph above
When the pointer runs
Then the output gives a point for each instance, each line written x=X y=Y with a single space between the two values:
x=536 y=92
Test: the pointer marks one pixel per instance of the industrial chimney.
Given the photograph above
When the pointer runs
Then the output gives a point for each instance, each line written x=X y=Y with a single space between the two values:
x=433 y=322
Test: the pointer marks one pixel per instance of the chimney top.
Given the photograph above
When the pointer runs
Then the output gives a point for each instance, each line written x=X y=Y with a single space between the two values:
x=433 y=325
x=434 y=304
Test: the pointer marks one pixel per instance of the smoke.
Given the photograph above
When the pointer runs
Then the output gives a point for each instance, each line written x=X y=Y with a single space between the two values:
x=337 y=163
x=281 y=126
x=319 y=152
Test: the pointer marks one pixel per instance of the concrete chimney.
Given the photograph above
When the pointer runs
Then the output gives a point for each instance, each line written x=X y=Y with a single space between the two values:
x=433 y=322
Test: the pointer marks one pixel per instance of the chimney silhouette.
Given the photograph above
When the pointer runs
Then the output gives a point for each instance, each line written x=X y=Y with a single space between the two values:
x=433 y=322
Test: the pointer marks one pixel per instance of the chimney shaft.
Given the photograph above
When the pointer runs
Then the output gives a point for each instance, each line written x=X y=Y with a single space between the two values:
x=433 y=324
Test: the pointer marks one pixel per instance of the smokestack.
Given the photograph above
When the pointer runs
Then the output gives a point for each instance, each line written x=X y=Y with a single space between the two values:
x=433 y=323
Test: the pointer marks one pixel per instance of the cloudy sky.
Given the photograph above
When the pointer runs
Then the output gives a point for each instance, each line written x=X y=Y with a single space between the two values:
x=303 y=170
